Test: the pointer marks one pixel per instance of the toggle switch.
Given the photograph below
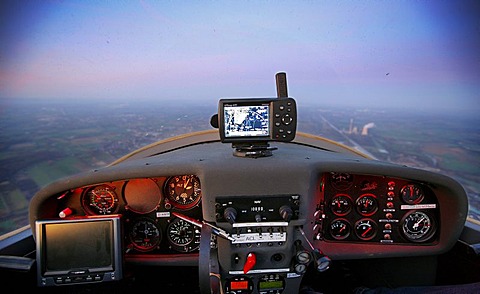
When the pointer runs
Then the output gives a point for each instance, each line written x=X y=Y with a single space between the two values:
x=250 y=262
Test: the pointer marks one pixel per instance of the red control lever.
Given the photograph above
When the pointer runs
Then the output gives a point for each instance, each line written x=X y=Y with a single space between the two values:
x=250 y=262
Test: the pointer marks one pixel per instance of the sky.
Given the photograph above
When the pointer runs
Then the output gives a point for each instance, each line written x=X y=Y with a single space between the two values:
x=409 y=54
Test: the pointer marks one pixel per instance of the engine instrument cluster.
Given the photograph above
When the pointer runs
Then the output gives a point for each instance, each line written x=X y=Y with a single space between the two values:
x=145 y=205
x=368 y=208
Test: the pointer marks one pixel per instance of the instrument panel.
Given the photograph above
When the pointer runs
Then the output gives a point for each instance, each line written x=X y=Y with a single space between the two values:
x=352 y=208
x=146 y=205
x=376 y=209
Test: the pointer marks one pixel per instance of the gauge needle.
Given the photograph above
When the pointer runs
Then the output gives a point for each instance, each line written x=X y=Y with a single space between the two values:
x=417 y=224
x=366 y=231
x=186 y=183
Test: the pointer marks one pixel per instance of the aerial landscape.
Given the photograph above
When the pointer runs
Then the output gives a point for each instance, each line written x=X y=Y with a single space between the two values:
x=41 y=142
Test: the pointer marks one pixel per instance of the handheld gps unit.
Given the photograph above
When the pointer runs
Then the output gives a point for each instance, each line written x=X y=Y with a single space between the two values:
x=257 y=119
x=251 y=123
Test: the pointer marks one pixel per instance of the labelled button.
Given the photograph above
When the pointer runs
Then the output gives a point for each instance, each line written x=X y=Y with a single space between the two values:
x=388 y=226
x=389 y=204
x=389 y=215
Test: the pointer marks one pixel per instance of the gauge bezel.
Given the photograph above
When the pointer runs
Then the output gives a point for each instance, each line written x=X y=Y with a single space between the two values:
x=418 y=198
x=346 y=223
x=193 y=242
x=90 y=209
x=424 y=236
x=134 y=195
x=348 y=208
x=170 y=194
x=368 y=212
x=373 y=224
x=142 y=248
x=341 y=184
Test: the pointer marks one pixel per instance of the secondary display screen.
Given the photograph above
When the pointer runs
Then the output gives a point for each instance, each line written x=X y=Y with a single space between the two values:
x=246 y=121
x=79 y=250
x=78 y=245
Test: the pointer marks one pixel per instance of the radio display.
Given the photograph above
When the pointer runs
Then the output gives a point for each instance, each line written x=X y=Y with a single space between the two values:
x=239 y=285
x=275 y=284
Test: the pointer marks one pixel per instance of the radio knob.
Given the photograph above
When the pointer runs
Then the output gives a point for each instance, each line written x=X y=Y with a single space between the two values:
x=286 y=212
x=230 y=214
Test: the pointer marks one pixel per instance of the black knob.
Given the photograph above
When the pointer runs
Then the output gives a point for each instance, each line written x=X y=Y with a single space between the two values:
x=230 y=214
x=286 y=212
x=322 y=262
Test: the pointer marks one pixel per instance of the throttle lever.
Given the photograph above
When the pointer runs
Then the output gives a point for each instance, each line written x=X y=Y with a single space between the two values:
x=215 y=230
x=322 y=262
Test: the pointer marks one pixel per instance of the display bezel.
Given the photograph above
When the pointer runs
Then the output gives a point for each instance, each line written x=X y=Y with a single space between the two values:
x=67 y=234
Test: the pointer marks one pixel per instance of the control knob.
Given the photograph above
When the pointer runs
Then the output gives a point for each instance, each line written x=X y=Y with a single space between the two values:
x=286 y=212
x=230 y=214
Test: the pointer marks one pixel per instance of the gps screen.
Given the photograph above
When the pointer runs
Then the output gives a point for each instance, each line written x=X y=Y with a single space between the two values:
x=246 y=121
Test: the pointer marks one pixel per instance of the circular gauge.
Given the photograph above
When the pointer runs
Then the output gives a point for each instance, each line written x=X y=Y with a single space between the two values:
x=183 y=191
x=366 y=229
x=342 y=181
x=341 y=204
x=100 y=199
x=367 y=204
x=340 y=229
x=145 y=235
x=142 y=195
x=183 y=236
x=412 y=194
x=418 y=226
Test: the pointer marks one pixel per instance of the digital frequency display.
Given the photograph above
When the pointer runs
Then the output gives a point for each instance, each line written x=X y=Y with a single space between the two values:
x=247 y=121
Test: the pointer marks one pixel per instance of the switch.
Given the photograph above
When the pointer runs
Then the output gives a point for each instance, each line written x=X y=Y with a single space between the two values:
x=250 y=262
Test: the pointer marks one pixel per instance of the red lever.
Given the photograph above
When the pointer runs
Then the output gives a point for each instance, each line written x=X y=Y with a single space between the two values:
x=250 y=262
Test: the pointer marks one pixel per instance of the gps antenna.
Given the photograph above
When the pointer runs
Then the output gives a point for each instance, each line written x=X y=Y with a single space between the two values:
x=281 y=79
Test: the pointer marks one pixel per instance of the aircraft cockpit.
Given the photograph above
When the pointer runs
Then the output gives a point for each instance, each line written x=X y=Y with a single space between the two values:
x=250 y=206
